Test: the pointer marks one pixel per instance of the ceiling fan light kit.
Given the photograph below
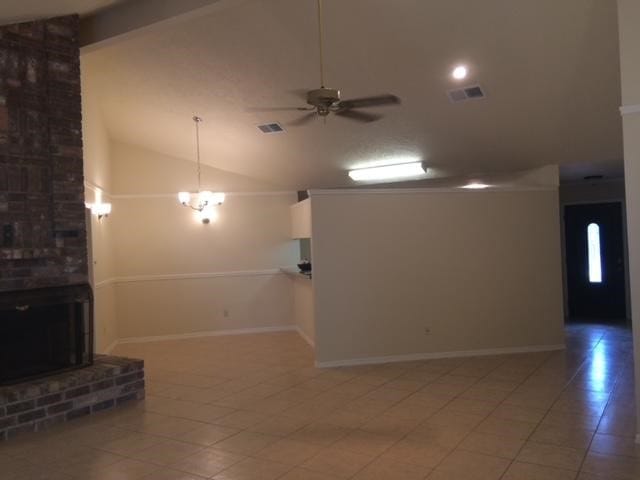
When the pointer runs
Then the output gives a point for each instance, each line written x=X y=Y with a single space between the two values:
x=324 y=101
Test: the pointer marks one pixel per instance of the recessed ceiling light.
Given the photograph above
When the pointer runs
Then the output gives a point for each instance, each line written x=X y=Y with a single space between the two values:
x=460 y=72
x=388 y=172
x=476 y=186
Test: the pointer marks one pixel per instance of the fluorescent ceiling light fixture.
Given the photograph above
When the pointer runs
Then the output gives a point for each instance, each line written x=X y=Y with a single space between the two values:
x=476 y=186
x=388 y=172
x=460 y=72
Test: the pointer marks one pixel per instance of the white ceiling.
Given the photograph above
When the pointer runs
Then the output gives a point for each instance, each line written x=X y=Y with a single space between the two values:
x=550 y=69
x=22 y=10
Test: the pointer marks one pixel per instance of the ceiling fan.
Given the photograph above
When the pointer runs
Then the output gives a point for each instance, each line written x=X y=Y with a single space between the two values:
x=323 y=101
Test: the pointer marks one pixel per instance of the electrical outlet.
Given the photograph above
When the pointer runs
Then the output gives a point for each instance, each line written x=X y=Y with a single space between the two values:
x=225 y=313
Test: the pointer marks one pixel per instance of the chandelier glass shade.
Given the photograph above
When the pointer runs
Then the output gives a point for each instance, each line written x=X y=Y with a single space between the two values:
x=202 y=201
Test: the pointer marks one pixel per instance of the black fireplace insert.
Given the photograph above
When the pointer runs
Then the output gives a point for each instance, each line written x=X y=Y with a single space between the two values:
x=45 y=331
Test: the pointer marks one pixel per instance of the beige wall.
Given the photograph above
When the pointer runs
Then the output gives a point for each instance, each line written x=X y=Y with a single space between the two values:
x=629 y=19
x=479 y=270
x=301 y=219
x=155 y=236
x=140 y=171
x=221 y=276
x=192 y=305
x=234 y=260
x=303 y=307
x=97 y=174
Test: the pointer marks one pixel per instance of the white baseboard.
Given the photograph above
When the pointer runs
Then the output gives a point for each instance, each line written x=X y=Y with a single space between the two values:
x=110 y=348
x=437 y=355
x=211 y=333
x=306 y=337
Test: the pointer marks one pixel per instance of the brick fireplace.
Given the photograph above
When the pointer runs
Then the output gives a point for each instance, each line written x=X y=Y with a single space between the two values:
x=46 y=303
x=43 y=237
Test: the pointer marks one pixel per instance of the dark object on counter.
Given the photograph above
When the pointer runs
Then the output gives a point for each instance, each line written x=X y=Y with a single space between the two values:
x=305 y=266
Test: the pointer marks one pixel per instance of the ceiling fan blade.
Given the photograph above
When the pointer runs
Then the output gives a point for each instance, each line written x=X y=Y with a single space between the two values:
x=375 y=101
x=358 y=116
x=278 y=109
x=304 y=119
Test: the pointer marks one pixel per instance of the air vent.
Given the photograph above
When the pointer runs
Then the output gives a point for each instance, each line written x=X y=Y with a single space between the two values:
x=472 y=92
x=271 y=128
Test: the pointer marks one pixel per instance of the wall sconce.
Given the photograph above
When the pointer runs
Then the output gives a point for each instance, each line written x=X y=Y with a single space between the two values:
x=101 y=210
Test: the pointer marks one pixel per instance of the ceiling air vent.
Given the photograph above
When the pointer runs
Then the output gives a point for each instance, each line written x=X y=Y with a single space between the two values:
x=472 y=92
x=271 y=128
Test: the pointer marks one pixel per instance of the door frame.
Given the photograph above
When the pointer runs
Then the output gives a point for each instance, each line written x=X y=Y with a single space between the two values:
x=625 y=249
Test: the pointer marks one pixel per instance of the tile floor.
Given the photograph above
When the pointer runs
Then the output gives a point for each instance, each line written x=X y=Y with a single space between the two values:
x=254 y=407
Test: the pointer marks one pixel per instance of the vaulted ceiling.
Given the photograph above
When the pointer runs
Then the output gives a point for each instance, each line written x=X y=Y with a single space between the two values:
x=550 y=70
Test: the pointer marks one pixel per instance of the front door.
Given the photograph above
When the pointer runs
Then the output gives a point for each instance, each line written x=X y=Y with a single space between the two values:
x=595 y=261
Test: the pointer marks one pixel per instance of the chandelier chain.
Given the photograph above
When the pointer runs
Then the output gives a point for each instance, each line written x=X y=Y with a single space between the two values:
x=197 y=121
x=320 y=43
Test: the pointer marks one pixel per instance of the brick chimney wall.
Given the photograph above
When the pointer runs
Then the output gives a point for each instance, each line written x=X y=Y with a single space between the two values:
x=42 y=215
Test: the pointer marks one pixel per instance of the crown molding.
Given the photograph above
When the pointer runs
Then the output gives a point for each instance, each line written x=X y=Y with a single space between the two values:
x=136 y=196
x=427 y=190
x=133 y=196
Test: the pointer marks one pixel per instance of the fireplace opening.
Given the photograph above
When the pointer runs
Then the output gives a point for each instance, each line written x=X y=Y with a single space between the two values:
x=44 y=331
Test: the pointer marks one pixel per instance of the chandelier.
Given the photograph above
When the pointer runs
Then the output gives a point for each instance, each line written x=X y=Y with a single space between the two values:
x=202 y=201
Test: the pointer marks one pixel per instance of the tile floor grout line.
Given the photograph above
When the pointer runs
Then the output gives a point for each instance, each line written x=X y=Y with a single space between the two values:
x=492 y=411
x=382 y=413
x=595 y=432
x=576 y=396
x=584 y=360
x=363 y=395
x=478 y=379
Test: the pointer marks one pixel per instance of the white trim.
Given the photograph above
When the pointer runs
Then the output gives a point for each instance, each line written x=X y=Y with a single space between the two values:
x=104 y=283
x=195 y=276
x=131 y=196
x=186 y=276
x=136 y=196
x=95 y=187
x=306 y=337
x=413 y=191
x=210 y=333
x=437 y=355
x=629 y=109
x=110 y=348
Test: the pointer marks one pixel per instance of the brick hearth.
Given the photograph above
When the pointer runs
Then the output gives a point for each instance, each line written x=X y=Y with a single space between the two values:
x=43 y=240
x=36 y=406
